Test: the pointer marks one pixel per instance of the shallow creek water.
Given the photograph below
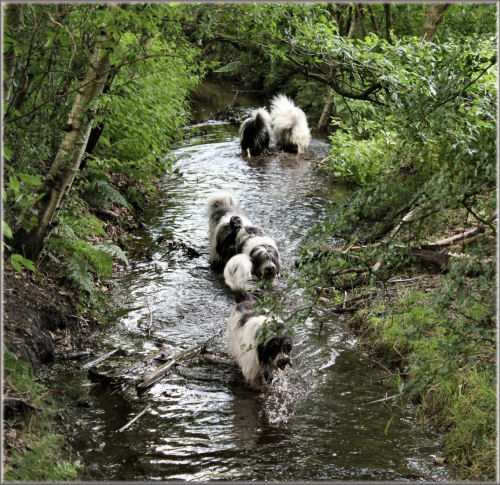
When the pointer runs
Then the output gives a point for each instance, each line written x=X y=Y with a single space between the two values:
x=324 y=419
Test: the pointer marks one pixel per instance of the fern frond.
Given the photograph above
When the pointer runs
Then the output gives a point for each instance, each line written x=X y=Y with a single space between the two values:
x=100 y=194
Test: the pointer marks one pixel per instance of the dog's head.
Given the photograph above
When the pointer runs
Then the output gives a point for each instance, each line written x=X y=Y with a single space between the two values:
x=274 y=355
x=265 y=261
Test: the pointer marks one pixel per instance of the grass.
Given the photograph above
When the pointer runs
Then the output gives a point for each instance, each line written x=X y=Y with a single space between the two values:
x=446 y=353
x=34 y=451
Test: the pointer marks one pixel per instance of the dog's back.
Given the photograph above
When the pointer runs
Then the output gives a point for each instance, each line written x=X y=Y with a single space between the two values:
x=290 y=126
x=255 y=132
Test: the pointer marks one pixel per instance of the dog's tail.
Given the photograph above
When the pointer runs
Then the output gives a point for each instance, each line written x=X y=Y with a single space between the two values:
x=238 y=276
x=284 y=114
x=221 y=199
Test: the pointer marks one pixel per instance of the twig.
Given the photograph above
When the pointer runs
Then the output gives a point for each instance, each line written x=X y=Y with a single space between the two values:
x=133 y=420
x=150 y=318
x=404 y=280
x=321 y=162
x=154 y=376
x=480 y=219
x=74 y=355
x=98 y=360
x=383 y=399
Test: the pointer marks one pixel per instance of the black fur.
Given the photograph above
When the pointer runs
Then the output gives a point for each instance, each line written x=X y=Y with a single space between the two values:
x=269 y=351
x=250 y=231
x=226 y=239
x=255 y=136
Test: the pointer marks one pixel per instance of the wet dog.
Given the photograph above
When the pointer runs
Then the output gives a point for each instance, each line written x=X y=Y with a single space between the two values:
x=290 y=128
x=257 y=259
x=258 y=362
x=232 y=234
x=226 y=219
x=255 y=133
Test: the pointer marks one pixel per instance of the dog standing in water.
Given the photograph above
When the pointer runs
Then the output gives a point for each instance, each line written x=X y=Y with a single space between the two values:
x=242 y=249
x=260 y=362
x=255 y=133
x=290 y=128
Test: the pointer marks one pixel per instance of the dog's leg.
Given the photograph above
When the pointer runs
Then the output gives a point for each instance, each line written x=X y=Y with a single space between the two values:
x=248 y=153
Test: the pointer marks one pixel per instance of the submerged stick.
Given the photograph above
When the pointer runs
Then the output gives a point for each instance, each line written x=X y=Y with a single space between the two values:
x=99 y=359
x=150 y=318
x=133 y=420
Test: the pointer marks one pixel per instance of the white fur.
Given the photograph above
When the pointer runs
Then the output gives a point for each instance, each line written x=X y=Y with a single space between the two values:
x=242 y=344
x=238 y=274
x=289 y=123
x=253 y=242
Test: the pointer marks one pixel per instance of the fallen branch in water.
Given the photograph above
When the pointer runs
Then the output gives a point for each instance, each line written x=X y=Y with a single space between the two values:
x=133 y=420
x=74 y=356
x=154 y=376
x=94 y=362
x=321 y=162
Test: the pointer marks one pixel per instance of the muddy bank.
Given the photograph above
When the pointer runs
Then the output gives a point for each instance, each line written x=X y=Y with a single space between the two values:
x=40 y=319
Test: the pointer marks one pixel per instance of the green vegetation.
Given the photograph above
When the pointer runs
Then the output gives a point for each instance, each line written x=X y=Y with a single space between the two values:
x=35 y=446
x=79 y=142
x=94 y=96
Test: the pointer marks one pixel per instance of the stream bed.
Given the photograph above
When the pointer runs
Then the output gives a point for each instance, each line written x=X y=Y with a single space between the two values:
x=323 y=419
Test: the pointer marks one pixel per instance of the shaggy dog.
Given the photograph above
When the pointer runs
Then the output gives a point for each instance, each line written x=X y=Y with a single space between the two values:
x=258 y=362
x=232 y=234
x=290 y=127
x=226 y=219
x=257 y=259
x=255 y=133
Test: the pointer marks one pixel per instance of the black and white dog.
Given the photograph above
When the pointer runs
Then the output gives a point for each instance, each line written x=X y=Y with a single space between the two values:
x=257 y=259
x=258 y=363
x=243 y=249
x=226 y=219
x=290 y=128
x=255 y=133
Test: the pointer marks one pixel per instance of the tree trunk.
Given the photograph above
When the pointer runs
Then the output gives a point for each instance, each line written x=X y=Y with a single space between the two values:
x=361 y=16
x=325 y=115
x=372 y=18
x=12 y=22
x=69 y=155
x=388 y=22
x=96 y=131
x=434 y=14
x=352 y=24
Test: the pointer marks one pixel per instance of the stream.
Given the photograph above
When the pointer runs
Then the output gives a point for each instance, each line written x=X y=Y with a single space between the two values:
x=323 y=419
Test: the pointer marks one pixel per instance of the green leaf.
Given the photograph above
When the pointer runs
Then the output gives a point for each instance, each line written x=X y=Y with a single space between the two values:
x=7 y=232
x=232 y=66
x=16 y=260
x=7 y=153
x=29 y=179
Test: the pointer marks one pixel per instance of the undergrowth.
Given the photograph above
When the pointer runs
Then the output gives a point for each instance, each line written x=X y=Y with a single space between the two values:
x=447 y=357
x=35 y=450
